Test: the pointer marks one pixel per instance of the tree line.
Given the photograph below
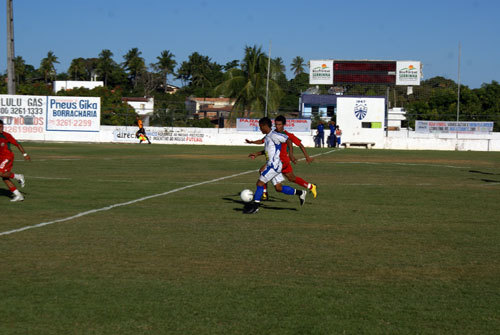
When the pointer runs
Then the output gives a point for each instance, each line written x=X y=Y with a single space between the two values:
x=244 y=80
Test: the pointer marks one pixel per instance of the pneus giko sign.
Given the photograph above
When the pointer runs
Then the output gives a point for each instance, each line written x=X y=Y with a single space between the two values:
x=81 y=114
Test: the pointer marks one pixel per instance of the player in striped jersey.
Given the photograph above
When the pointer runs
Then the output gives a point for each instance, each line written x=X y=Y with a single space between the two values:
x=272 y=170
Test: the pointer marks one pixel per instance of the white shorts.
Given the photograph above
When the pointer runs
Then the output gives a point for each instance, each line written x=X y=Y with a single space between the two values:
x=270 y=174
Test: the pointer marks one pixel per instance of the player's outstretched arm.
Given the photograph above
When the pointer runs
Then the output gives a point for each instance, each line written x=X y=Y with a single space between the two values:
x=306 y=155
x=256 y=154
x=289 y=144
x=25 y=154
x=261 y=141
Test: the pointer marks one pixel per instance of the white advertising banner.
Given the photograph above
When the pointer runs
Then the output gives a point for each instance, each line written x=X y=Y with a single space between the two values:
x=407 y=73
x=80 y=114
x=321 y=72
x=292 y=125
x=23 y=114
x=446 y=127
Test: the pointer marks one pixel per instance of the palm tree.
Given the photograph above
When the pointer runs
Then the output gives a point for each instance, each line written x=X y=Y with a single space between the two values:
x=248 y=84
x=77 y=69
x=47 y=66
x=19 y=69
x=105 y=64
x=134 y=64
x=278 y=62
x=297 y=65
x=166 y=64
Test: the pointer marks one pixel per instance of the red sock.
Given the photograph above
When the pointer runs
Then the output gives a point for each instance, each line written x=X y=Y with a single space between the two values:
x=265 y=188
x=12 y=189
x=301 y=182
x=11 y=176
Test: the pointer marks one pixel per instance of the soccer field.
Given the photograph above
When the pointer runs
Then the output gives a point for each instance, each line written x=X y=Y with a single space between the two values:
x=151 y=239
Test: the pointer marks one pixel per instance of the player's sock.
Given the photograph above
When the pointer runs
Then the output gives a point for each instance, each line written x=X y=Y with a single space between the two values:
x=302 y=182
x=12 y=176
x=258 y=194
x=287 y=190
x=13 y=189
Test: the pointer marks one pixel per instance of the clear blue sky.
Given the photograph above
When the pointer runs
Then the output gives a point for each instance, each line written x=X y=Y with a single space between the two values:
x=428 y=31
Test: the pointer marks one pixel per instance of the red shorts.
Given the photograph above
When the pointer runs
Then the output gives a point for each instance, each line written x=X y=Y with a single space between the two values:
x=287 y=167
x=6 y=164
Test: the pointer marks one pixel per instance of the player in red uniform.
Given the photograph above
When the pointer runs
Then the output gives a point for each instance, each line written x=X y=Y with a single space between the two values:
x=287 y=157
x=6 y=161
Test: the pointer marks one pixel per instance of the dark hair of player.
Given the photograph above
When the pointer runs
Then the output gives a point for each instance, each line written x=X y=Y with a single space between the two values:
x=280 y=118
x=266 y=121
x=1 y=121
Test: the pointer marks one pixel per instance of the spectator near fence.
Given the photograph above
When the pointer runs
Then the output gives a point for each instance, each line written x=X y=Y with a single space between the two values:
x=332 y=138
x=338 y=134
x=321 y=133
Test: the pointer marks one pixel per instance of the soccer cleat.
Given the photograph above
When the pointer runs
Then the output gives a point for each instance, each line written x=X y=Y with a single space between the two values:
x=20 y=179
x=314 y=191
x=17 y=197
x=252 y=208
x=302 y=197
x=264 y=196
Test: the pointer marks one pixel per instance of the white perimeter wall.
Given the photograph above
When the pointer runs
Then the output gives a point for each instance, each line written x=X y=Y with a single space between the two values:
x=405 y=140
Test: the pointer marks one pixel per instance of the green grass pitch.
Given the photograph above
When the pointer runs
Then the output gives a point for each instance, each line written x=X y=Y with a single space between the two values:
x=397 y=242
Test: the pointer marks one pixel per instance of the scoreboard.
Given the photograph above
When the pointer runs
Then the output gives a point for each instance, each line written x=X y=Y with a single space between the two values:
x=366 y=72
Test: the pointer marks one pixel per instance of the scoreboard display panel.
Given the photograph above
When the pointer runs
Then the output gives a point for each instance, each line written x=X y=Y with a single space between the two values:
x=364 y=72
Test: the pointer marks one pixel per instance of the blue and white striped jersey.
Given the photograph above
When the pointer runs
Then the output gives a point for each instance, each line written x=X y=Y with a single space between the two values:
x=272 y=144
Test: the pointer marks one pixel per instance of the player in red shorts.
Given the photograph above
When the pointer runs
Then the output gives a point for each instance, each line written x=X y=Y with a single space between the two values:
x=287 y=157
x=6 y=161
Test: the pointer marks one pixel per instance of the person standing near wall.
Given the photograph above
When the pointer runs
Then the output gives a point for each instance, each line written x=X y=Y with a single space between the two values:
x=332 y=140
x=141 y=132
x=7 y=161
x=338 y=134
x=321 y=133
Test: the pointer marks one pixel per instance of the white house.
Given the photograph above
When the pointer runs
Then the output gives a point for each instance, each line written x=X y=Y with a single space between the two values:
x=71 y=84
x=142 y=106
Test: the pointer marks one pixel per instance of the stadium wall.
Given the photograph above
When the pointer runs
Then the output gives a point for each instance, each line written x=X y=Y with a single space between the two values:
x=403 y=140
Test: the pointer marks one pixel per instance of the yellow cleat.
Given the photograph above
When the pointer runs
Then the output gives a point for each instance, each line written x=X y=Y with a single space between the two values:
x=264 y=196
x=313 y=190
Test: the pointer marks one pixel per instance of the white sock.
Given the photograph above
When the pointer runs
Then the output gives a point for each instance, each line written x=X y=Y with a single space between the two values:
x=16 y=192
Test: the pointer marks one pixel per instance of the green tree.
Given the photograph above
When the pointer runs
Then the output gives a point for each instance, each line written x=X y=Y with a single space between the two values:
x=20 y=69
x=47 y=66
x=201 y=73
x=231 y=65
x=106 y=65
x=248 y=84
x=297 y=65
x=77 y=69
x=134 y=65
x=165 y=65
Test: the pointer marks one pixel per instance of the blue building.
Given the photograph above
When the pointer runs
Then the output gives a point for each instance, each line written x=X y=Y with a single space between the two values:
x=324 y=105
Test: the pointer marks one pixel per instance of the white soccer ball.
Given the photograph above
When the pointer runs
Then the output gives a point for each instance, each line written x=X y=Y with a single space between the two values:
x=246 y=195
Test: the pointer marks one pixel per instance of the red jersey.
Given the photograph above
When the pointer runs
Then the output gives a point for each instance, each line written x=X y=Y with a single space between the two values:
x=6 y=140
x=284 y=148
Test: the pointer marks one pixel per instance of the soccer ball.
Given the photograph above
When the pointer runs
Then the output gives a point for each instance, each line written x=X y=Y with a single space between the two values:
x=246 y=195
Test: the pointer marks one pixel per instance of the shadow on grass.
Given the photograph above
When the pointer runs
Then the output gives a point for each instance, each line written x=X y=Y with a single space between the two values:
x=482 y=172
x=264 y=204
x=490 y=181
x=486 y=173
x=5 y=193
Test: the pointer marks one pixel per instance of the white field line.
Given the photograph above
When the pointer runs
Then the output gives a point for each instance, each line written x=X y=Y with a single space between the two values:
x=107 y=208
x=49 y=178
x=405 y=164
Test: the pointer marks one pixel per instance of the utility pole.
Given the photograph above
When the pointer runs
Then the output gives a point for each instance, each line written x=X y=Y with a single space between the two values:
x=11 y=84
x=458 y=94
x=268 y=71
